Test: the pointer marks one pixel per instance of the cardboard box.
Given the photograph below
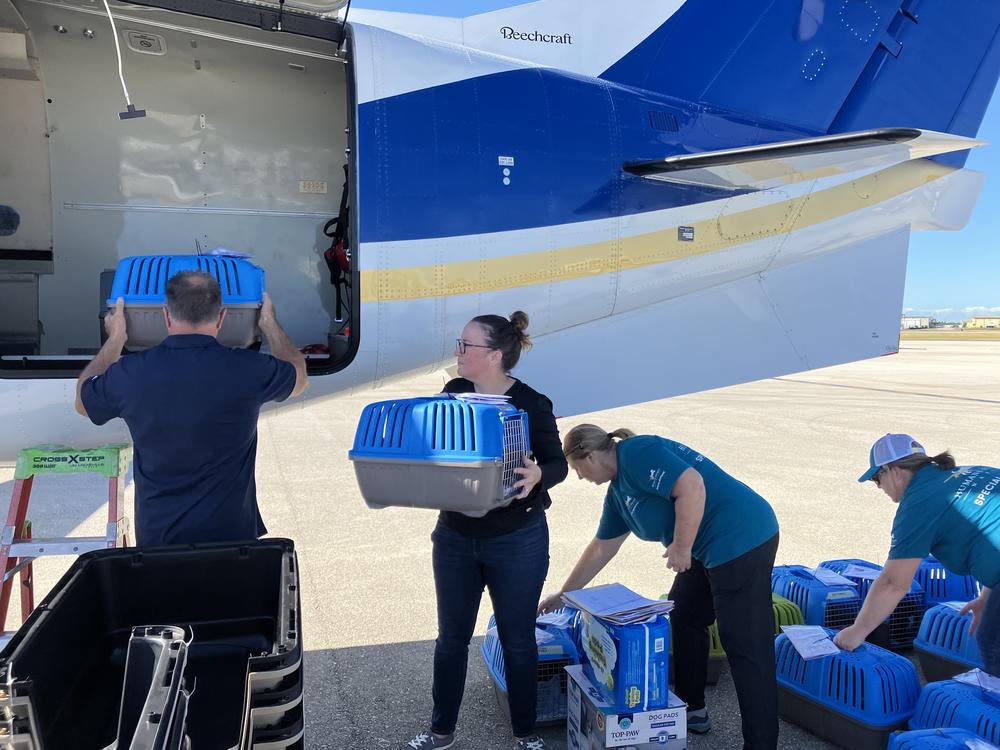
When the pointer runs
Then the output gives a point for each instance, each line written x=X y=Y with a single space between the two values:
x=629 y=664
x=594 y=724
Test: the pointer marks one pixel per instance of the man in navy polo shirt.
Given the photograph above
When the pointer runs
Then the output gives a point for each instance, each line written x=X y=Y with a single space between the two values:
x=191 y=405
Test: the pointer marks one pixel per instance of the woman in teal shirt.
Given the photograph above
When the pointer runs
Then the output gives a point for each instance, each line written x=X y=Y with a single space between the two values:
x=949 y=511
x=720 y=537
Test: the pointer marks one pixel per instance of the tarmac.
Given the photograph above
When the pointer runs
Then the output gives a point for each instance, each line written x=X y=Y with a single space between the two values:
x=367 y=591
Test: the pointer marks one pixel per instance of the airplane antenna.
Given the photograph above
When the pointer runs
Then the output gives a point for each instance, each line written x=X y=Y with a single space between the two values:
x=130 y=111
x=343 y=36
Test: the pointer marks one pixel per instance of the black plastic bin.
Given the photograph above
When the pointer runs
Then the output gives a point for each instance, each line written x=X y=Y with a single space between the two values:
x=239 y=602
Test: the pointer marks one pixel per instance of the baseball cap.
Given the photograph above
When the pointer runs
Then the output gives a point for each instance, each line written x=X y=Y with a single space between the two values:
x=887 y=449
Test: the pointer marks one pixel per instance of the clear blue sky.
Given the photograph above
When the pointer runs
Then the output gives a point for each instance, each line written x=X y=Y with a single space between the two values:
x=954 y=275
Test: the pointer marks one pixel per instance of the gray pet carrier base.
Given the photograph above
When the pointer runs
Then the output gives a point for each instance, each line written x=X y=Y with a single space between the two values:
x=146 y=327
x=470 y=487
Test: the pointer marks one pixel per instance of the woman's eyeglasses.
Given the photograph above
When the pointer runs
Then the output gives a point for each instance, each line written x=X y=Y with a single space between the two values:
x=461 y=345
x=877 y=477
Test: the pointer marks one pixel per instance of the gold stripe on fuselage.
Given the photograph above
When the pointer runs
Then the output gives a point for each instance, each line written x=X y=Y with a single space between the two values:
x=649 y=249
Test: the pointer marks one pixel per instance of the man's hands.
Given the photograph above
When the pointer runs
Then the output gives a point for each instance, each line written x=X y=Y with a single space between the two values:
x=530 y=475
x=678 y=558
x=114 y=323
x=268 y=316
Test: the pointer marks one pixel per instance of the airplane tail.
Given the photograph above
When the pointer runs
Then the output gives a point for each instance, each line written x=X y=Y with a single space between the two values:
x=828 y=66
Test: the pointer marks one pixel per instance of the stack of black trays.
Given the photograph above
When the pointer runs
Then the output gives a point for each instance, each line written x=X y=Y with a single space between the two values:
x=172 y=648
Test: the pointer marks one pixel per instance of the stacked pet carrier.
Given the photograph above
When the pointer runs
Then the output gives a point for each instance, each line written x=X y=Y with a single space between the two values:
x=941 y=585
x=944 y=645
x=142 y=282
x=557 y=637
x=939 y=739
x=831 y=605
x=901 y=628
x=161 y=649
x=855 y=699
x=441 y=452
x=958 y=705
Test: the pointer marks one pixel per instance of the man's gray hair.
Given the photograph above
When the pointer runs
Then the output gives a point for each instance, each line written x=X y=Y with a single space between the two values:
x=194 y=297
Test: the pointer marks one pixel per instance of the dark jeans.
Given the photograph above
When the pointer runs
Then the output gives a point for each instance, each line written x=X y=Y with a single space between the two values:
x=738 y=594
x=513 y=567
x=988 y=634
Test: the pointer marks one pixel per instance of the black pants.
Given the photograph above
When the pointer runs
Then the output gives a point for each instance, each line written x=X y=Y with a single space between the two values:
x=513 y=567
x=738 y=594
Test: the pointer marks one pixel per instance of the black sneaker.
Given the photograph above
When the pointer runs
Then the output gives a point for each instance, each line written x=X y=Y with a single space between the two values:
x=534 y=742
x=698 y=721
x=430 y=741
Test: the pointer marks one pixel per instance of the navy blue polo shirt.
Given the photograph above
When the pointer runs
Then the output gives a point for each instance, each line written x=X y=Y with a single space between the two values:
x=191 y=405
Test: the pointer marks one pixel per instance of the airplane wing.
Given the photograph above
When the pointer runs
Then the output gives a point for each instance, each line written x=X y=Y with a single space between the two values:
x=774 y=164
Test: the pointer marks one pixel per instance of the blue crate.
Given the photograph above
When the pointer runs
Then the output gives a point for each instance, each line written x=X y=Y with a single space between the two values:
x=941 y=585
x=899 y=630
x=854 y=699
x=142 y=279
x=439 y=452
x=142 y=282
x=944 y=645
x=556 y=651
x=935 y=739
x=830 y=606
x=954 y=704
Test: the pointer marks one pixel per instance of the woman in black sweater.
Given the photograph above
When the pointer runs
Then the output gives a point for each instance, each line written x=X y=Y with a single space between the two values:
x=506 y=551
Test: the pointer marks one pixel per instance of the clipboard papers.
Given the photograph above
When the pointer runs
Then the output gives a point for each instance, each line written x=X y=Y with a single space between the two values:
x=617 y=604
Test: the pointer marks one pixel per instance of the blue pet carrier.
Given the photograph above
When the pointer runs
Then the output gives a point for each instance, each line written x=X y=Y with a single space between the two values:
x=854 y=699
x=833 y=606
x=142 y=282
x=899 y=630
x=944 y=645
x=556 y=651
x=941 y=585
x=439 y=452
x=955 y=704
x=938 y=739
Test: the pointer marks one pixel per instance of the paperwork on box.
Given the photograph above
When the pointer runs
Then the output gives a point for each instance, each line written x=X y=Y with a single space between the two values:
x=957 y=606
x=811 y=641
x=980 y=679
x=827 y=576
x=861 y=571
x=482 y=398
x=617 y=604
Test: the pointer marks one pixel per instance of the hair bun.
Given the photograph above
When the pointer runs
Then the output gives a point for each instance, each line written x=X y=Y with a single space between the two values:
x=519 y=319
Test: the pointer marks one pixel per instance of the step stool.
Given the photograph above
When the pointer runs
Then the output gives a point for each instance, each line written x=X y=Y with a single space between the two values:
x=17 y=547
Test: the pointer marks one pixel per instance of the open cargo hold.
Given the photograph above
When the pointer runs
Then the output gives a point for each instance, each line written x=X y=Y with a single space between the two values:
x=238 y=603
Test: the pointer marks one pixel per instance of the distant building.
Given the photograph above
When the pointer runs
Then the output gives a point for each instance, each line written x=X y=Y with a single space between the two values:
x=914 y=321
x=986 y=321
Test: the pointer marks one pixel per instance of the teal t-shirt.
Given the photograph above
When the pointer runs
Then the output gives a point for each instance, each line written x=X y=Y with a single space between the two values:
x=954 y=515
x=736 y=518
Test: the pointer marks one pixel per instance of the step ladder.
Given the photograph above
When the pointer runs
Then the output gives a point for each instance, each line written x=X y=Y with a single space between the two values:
x=18 y=549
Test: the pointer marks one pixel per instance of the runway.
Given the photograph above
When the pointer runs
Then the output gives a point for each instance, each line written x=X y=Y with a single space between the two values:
x=367 y=592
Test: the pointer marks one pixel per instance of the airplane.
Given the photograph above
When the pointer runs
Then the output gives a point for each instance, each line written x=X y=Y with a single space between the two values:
x=683 y=195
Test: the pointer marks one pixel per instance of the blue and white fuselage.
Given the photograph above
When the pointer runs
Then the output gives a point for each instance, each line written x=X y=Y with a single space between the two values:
x=680 y=198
